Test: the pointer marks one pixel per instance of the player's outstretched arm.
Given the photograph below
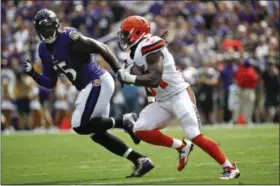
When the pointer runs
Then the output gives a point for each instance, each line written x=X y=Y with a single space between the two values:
x=86 y=44
x=48 y=79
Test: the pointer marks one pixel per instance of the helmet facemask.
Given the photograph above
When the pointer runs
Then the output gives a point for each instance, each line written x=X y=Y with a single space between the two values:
x=47 y=30
x=126 y=39
x=123 y=40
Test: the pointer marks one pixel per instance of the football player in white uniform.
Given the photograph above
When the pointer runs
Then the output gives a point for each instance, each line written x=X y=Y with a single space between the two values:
x=173 y=95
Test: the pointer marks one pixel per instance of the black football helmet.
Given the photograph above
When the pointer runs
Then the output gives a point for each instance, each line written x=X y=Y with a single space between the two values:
x=46 y=25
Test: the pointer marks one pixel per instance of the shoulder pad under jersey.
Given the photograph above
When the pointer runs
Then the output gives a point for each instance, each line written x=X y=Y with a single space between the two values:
x=151 y=44
x=73 y=33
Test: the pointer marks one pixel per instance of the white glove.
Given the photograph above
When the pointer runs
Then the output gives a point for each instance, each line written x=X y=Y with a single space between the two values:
x=125 y=76
x=151 y=99
x=28 y=67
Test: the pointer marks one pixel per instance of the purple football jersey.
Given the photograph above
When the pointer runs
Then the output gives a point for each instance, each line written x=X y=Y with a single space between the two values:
x=80 y=68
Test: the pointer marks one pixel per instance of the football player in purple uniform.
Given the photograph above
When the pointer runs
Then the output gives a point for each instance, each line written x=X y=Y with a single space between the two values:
x=66 y=51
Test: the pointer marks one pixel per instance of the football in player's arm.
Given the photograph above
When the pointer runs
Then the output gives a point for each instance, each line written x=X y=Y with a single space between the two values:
x=173 y=96
x=154 y=72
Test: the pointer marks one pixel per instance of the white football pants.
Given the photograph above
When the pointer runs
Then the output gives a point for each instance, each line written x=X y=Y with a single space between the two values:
x=156 y=114
x=94 y=100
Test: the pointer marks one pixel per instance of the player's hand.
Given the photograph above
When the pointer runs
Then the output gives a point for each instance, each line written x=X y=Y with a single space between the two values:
x=28 y=68
x=151 y=99
x=125 y=76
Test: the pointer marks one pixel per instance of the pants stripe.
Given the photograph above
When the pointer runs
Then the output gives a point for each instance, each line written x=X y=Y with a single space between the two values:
x=90 y=104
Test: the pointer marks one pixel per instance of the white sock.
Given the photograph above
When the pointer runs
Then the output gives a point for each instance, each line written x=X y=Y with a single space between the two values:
x=127 y=152
x=227 y=164
x=176 y=143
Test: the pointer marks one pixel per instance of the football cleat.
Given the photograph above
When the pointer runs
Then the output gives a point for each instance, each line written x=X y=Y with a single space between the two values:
x=230 y=173
x=184 y=153
x=142 y=166
x=128 y=123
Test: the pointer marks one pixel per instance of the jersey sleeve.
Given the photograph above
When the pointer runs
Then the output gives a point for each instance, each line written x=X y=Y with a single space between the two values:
x=152 y=44
x=72 y=33
x=48 y=78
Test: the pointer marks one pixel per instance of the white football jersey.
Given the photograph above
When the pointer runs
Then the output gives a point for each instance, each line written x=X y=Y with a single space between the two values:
x=172 y=80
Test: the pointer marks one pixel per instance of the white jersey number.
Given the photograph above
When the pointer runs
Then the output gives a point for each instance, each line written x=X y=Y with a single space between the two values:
x=60 y=67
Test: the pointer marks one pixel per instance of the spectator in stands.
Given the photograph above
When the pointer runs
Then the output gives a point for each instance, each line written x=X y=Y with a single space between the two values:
x=46 y=100
x=271 y=81
x=7 y=105
x=208 y=80
x=190 y=73
x=105 y=20
x=61 y=106
x=8 y=81
x=246 y=79
x=262 y=48
x=21 y=36
x=35 y=108
x=226 y=79
x=22 y=94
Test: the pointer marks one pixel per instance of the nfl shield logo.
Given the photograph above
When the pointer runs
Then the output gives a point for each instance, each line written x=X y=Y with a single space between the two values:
x=96 y=83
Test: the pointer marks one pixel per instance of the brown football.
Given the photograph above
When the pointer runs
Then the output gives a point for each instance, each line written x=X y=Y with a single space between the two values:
x=135 y=70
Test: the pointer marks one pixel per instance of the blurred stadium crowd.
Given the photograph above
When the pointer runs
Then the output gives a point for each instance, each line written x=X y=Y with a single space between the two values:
x=227 y=50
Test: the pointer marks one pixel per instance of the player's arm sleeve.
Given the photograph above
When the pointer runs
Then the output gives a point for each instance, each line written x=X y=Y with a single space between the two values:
x=85 y=44
x=48 y=78
x=155 y=68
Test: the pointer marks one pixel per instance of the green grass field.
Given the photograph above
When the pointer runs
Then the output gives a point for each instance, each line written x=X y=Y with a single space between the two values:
x=73 y=159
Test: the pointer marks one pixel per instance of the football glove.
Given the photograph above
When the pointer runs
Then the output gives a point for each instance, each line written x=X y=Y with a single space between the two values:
x=151 y=99
x=124 y=76
x=28 y=68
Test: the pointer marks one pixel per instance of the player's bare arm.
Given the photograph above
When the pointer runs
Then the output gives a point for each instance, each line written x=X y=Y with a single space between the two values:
x=155 y=69
x=86 y=44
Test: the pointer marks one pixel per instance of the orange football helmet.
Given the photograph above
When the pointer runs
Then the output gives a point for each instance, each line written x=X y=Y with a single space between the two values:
x=133 y=29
